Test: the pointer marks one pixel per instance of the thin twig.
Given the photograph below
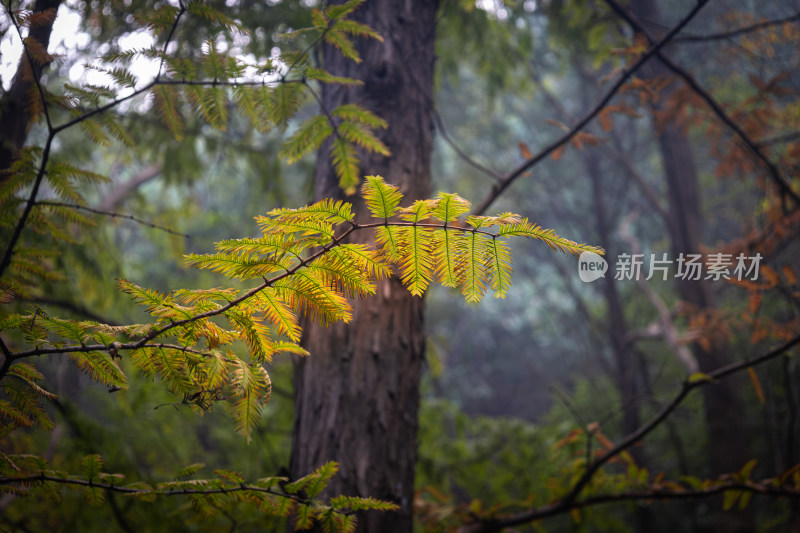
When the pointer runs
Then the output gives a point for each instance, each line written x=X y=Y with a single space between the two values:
x=113 y=215
x=181 y=11
x=23 y=219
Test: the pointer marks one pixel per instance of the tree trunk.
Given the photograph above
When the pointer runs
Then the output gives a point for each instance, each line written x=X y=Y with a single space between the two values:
x=727 y=447
x=357 y=396
x=14 y=115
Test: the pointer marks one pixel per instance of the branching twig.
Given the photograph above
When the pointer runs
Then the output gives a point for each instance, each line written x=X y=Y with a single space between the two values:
x=754 y=148
x=498 y=188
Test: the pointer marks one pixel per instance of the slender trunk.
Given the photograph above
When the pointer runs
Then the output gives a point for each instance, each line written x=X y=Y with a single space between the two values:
x=14 y=115
x=357 y=396
x=727 y=446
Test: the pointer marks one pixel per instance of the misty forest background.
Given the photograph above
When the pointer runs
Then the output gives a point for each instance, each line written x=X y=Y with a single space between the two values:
x=515 y=394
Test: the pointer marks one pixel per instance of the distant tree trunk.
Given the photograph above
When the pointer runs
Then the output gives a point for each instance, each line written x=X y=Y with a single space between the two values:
x=14 y=116
x=728 y=450
x=357 y=396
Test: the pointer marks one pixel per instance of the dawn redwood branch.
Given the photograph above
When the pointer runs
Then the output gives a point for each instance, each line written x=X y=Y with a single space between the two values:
x=181 y=11
x=85 y=348
x=754 y=148
x=571 y=501
x=498 y=188
x=9 y=251
x=735 y=33
x=69 y=306
x=43 y=478
x=153 y=333
x=112 y=215
x=437 y=119
x=649 y=193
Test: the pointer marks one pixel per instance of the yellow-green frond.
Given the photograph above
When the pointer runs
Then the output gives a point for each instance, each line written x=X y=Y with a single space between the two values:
x=252 y=388
x=283 y=101
x=254 y=333
x=99 y=367
x=238 y=266
x=278 y=313
x=416 y=265
x=308 y=138
x=418 y=211
x=382 y=198
x=306 y=293
x=166 y=100
x=449 y=207
x=345 y=164
x=499 y=262
x=342 y=275
x=338 y=11
x=324 y=76
x=359 y=114
x=475 y=275
x=362 y=136
x=325 y=210
x=339 y=39
x=363 y=258
x=448 y=259
x=548 y=236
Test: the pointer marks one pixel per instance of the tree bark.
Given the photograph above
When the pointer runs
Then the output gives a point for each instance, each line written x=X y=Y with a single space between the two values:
x=357 y=396
x=14 y=115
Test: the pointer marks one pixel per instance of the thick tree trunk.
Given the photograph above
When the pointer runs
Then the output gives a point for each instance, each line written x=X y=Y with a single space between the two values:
x=14 y=115
x=727 y=446
x=357 y=396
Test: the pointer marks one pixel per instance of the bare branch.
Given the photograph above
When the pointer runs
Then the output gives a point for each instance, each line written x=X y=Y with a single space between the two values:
x=570 y=501
x=754 y=148
x=498 y=188
x=116 y=196
x=737 y=32
x=113 y=215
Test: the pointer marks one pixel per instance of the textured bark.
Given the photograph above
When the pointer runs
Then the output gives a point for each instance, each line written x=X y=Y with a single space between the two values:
x=357 y=396
x=728 y=450
x=14 y=116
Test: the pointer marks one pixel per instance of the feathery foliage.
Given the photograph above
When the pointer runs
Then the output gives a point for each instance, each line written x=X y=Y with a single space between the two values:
x=301 y=265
